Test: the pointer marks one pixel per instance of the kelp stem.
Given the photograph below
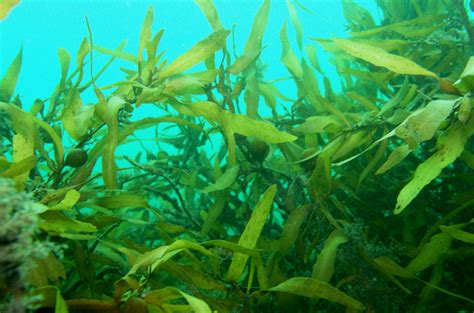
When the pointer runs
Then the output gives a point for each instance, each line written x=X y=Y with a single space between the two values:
x=90 y=305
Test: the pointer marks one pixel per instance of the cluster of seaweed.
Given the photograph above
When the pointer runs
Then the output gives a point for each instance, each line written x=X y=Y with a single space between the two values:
x=358 y=199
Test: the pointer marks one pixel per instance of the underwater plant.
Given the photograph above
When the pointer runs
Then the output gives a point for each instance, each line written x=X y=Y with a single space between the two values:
x=353 y=199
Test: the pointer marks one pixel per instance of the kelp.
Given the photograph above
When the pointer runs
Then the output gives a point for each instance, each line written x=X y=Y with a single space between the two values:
x=6 y=6
x=352 y=190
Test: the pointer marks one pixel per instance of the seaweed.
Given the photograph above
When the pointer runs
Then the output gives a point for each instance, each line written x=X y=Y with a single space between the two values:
x=357 y=198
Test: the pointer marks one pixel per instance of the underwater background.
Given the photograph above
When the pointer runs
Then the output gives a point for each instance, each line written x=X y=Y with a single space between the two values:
x=236 y=156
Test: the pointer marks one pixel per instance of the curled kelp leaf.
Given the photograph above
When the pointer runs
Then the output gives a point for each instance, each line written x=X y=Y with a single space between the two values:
x=70 y=199
x=76 y=117
x=224 y=181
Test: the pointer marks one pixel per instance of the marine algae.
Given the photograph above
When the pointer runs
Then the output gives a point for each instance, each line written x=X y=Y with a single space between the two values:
x=358 y=199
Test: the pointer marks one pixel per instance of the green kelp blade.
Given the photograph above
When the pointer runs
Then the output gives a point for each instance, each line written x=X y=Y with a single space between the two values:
x=252 y=94
x=296 y=23
x=313 y=95
x=396 y=156
x=4 y=164
x=465 y=83
x=419 y=126
x=254 y=42
x=422 y=124
x=455 y=232
x=270 y=92
x=253 y=47
x=373 y=162
x=357 y=16
x=151 y=48
x=83 y=51
x=323 y=269
x=313 y=288
x=6 y=6
x=319 y=124
x=450 y=145
x=210 y=11
x=117 y=53
x=231 y=246
x=156 y=257
x=22 y=167
x=49 y=297
x=252 y=232
x=146 y=32
x=198 y=53
x=413 y=23
x=382 y=58
x=224 y=181
x=64 y=61
x=196 y=304
x=22 y=124
x=56 y=222
x=70 y=199
x=291 y=229
x=8 y=82
x=120 y=201
x=108 y=113
x=288 y=57
x=430 y=253
x=392 y=267
x=198 y=277
x=310 y=51
x=186 y=84
x=160 y=296
x=24 y=151
x=45 y=270
x=234 y=123
x=76 y=117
